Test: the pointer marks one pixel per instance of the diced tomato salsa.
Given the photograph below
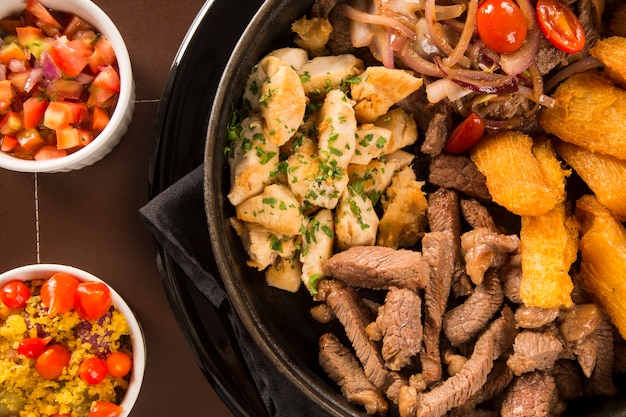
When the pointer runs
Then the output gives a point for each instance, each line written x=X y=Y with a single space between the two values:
x=59 y=83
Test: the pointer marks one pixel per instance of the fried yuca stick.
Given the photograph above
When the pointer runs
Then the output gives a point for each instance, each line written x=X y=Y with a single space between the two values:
x=603 y=253
x=590 y=111
x=604 y=175
x=612 y=52
x=549 y=246
x=525 y=180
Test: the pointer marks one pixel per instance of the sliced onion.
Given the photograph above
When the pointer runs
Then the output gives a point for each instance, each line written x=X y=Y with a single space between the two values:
x=363 y=17
x=542 y=99
x=420 y=65
x=85 y=79
x=16 y=65
x=466 y=36
x=361 y=33
x=582 y=65
x=434 y=29
x=445 y=88
x=50 y=70
x=483 y=82
x=35 y=76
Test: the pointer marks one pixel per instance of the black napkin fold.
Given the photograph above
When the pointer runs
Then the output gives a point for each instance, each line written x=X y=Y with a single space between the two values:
x=177 y=220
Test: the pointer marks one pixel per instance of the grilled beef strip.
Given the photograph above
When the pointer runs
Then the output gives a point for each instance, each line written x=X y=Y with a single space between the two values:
x=534 y=350
x=532 y=394
x=437 y=132
x=459 y=173
x=466 y=321
x=477 y=215
x=354 y=315
x=601 y=380
x=511 y=276
x=438 y=249
x=535 y=317
x=378 y=267
x=568 y=379
x=443 y=216
x=400 y=324
x=344 y=369
x=456 y=390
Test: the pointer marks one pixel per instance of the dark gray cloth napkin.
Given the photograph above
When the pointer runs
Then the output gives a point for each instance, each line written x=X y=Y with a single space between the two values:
x=177 y=220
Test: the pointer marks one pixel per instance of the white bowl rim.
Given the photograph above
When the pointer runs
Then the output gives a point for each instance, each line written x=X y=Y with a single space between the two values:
x=103 y=23
x=37 y=271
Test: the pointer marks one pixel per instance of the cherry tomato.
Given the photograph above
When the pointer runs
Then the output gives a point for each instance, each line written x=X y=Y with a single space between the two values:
x=93 y=300
x=119 y=364
x=33 y=346
x=58 y=293
x=466 y=135
x=501 y=25
x=560 y=26
x=92 y=370
x=51 y=362
x=14 y=294
x=105 y=409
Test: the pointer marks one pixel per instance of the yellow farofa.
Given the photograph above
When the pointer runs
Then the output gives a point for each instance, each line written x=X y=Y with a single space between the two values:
x=21 y=387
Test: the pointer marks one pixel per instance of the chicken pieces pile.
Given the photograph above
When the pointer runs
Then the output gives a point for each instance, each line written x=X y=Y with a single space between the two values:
x=317 y=146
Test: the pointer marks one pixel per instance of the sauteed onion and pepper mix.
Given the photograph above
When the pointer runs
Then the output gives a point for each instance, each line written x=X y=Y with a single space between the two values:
x=447 y=180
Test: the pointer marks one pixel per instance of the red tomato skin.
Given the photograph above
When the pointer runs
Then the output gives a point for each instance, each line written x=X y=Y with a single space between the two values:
x=58 y=293
x=92 y=370
x=501 y=25
x=34 y=109
x=93 y=300
x=107 y=78
x=52 y=361
x=70 y=56
x=560 y=26
x=33 y=346
x=105 y=409
x=14 y=294
x=465 y=135
x=119 y=364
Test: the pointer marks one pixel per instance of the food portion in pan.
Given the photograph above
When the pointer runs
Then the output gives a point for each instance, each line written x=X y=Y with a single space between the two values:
x=452 y=195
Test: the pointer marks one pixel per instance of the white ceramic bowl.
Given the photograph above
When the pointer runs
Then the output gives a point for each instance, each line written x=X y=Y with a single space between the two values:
x=122 y=115
x=42 y=271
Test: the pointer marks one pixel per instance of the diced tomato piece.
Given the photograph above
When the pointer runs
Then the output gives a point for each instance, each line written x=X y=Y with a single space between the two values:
x=84 y=136
x=79 y=112
x=103 y=54
x=67 y=138
x=100 y=97
x=57 y=115
x=6 y=92
x=104 y=409
x=49 y=152
x=11 y=51
x=63 y=89
x=8 y=143
x=75 y=25
x=70 y=56
x=100 y=119
x=107 y=78
x=11 y=123
x=18 y=80
x=27 y=35
x=30 y=140
x=41 y=13
x=34 y=109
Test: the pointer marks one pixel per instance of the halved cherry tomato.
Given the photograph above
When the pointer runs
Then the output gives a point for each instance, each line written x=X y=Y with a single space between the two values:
x=560 y=26
x=58 y=293
x=14 y=294
x=92 y=370
x=70 y=56
x=501 y=25
x=119 y=364
x=93 y=300
x=51 y=362
x=466 y=135
x=34 y=108
x=33 y=346
x=105 y=409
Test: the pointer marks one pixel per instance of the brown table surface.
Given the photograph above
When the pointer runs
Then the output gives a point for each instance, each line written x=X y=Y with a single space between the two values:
x=89 y=218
